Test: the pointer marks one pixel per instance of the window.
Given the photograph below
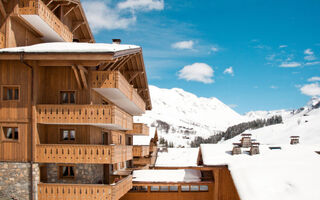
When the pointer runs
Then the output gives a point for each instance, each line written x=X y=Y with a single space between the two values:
x=120 y=139
x=194 y=188
x=164 y=188
x=185 y=188
x=11 y=133
x=66 y=172
x=204 y=188
x=68 y=135
x=10 y=93
x=154 y=188
x=67 y=97
x=143 y=188
x=173 y=188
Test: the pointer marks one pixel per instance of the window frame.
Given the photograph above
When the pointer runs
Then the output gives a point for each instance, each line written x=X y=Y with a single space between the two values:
x=3 y=134
x=61 y=140
x=13 y=87
x=68 y=92
x=60 y=172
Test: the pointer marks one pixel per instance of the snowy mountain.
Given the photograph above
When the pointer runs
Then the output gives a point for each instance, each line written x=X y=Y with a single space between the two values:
x=303 y=122
x=180 y=116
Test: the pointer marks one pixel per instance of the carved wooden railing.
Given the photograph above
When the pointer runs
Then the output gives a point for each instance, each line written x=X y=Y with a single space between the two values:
x=2 y=40
x=139 y=129
x=50 y=191
x=88 y=154
x=114 y=79
x=121 y=188
x=83 y=114
x=37 y=7
x=140 y=151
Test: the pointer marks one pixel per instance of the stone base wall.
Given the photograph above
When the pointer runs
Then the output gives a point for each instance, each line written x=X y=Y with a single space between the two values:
x=84 y=174
x=15 y=180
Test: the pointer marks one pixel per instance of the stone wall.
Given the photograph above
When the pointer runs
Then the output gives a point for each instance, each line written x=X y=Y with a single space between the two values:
x=84 y=174
x=15 y=180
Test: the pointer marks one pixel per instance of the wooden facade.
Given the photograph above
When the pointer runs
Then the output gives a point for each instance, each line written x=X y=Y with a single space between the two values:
x=139 y=129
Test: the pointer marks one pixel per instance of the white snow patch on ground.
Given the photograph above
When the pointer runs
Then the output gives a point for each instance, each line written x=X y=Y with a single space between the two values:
x=176 y=175
x=178 y=157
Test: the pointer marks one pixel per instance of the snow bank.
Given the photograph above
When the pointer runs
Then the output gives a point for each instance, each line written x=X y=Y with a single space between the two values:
x=70 y=47
x=179 y=175
x=178 y=157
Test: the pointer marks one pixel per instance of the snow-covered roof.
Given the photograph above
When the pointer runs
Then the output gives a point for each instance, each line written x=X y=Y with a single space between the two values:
x=291 y=173
x=178 y=157
x=176 y=175
x=144 y=140
x=70 y=47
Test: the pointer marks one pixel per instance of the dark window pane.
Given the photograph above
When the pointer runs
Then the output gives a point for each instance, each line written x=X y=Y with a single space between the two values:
x=154 y=188
x=164 y=188
x=65 y=135
x=185 y=188
x=16 y=133
x=9 y=134
x=16 y=94
x=203 y=188
x=71 y=171
x=64 y=97
x=194 y=188
x=72 y=97
x=173 y=188
x=65 y=171
x=9 y=94
x=72 y=134
x=143 y=188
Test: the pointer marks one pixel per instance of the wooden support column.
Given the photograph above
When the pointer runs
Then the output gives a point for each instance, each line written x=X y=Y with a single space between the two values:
x=3 y=10
x=75 y=70
x=83 y=76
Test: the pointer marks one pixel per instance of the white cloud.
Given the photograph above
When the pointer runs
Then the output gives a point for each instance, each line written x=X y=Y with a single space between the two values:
x=183 y=45
x=229 y=70
x=313 y=79
x=312 y=63
x=283 y=46
x=309 y=55
x=274 y=87
x=271 y=57
x=290 y=64
x=200 y=72
x=141 y=5
x=215 y=49
x=102 y=16
x=311 y=89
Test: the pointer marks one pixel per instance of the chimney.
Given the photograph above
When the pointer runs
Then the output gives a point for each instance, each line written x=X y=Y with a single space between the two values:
x=294 y=140
x=116 y=41
x=254 y=148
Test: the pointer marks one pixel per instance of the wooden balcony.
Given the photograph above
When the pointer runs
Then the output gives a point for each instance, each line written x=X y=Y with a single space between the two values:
x=114 y=86
x=87 y=154
x=122 y=187
x=54 y=191
x=139 y=129
x=140 y=151
x=40 y=17
x=2 y=40
x=105 y=116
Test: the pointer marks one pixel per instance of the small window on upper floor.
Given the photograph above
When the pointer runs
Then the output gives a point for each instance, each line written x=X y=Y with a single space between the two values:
x=66 y=172
x=11 y=133
x=10 y=93
x=67 y=97
x=68 y=135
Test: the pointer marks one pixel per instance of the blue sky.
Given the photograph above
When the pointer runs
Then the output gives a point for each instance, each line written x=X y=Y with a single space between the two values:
x=250 y=54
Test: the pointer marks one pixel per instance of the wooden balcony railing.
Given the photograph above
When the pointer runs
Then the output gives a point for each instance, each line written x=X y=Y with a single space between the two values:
x=2 y=40
x=88 y=154
x=50 y=191
x=122 y=187
x=140 y=151
x=139 y=129
x=84 y=114
x=54 y=191
x=114 y=79
x=37 y=7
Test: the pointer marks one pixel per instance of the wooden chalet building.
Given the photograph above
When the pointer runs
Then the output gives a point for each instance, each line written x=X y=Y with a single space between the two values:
x=66 y=104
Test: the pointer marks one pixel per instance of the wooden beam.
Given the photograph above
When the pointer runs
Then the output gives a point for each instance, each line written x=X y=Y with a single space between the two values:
x=133 y=76
x=66 y=12
x=27 y=25
x=83 y=69
x=111 y=66
x=2 y=9
x=124 y=61
x=49 y=2
x=103 y=66
x=55 y=7
x=76 y=25
x=83 y=77
x=49 y=63
x=77 y=76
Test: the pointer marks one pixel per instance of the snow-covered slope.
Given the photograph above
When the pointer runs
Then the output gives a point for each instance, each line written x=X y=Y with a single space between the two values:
x=180 y=116
x=303 y=122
